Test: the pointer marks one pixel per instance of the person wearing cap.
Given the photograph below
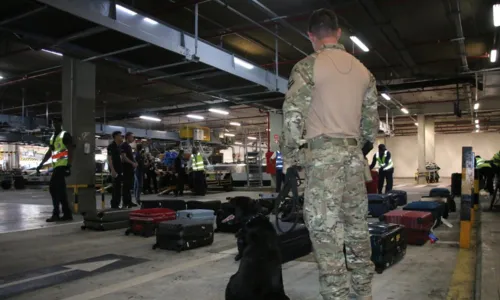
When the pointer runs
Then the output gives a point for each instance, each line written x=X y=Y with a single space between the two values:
x=386 y=168
x=61 y=154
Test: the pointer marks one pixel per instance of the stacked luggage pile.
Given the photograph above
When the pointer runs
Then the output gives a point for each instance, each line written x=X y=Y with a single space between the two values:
x=379 y=204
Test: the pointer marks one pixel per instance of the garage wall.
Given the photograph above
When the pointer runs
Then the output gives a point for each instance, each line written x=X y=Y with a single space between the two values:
x=404 y=151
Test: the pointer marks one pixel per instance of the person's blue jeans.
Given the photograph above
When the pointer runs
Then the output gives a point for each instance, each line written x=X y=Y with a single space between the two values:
x=138 y=186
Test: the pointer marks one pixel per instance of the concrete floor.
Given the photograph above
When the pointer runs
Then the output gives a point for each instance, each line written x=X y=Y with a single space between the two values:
x=33 y=252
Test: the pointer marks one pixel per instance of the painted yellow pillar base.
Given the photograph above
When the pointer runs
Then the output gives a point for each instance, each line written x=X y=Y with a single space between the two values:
x=465 y=233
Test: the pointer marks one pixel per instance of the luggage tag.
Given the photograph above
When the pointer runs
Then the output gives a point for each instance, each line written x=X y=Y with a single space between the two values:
x=433 y=238
x=229 y=218
x=445 y=222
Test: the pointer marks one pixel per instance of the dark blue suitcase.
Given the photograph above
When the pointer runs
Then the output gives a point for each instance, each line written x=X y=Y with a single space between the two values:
x=378 y=204
x=388 y=243
x=435 y=208
x=400 y=196
x=440 y=192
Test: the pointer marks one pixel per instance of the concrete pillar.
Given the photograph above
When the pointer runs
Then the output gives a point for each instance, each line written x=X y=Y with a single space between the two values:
x=430 y=148
x=78 y=113
x=421 y=149
x=276 y=127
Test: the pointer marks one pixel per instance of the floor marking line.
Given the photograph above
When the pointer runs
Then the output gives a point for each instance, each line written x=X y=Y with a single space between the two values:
x=31 y=229
x=146 y=278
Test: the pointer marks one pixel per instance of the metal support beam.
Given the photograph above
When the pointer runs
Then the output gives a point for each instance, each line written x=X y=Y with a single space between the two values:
x=22 y=16
x=166 y=37
x=159 y=67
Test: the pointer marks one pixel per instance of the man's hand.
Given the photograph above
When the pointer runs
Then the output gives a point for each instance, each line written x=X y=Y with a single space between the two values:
x=134 y=165
x=114 y=174
x=68 y=170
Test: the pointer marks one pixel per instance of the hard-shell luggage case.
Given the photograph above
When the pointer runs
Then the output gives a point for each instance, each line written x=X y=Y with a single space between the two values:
x=184 y=234
x=197 y=214
x=435 y=208
x=214 y=205
x=378 y=204
x=107 y=215
x=230 y=226
x=372 y=186
x=267 y=201
x=456 y=184
x=145 y=221
x=444 y=201
x=172 y=204
x=150 y=204
x=388 y=243
x=445 y=193
x=293 y=244
x=401 y=196
x=417 y=224
x=104 y=226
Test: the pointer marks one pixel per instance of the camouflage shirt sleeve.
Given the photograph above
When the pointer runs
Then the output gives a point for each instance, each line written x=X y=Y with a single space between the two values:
x=369 y=114
x=297 y=102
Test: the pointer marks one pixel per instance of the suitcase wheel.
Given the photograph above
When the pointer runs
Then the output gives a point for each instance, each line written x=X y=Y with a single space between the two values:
x=83 y=227
x=127 y=232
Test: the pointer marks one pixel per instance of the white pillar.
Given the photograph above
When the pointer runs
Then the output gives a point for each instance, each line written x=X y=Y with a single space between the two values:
x=276 y=127
x=430 y=148
x=421 y=148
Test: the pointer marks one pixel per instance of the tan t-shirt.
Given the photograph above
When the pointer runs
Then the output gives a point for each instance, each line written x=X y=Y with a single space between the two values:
x=340 y=85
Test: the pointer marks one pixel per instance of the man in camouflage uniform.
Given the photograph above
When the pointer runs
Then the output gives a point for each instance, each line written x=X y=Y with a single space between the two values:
x=330 y=113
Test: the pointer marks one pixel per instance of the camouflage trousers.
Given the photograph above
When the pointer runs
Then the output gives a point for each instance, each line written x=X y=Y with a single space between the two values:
x=335 y=211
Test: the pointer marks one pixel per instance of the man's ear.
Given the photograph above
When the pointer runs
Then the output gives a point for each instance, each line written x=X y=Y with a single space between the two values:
x=311 y=36
x=338 y=33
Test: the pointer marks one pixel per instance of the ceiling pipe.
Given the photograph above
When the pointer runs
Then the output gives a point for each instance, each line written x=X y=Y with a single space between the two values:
x=22 y=16
x=29 y=105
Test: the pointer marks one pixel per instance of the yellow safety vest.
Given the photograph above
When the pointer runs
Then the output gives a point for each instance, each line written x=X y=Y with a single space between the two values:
x=60 y=152
x=198 y=162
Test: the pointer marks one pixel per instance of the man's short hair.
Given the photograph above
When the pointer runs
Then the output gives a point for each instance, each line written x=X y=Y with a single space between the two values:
x=116 y=133
x=128 y=134
x=323 y=22
x=56 y=120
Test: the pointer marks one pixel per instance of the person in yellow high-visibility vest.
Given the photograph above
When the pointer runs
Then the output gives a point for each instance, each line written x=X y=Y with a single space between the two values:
x=198 y=170
x=61 y=153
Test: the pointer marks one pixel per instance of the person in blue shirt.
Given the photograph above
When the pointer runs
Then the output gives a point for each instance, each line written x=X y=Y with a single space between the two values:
x=180 y=172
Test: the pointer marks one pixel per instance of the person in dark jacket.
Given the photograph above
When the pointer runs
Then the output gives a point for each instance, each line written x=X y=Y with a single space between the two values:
x=151 y=175
x=180 y=173
x=139 y=173
x=386 y=168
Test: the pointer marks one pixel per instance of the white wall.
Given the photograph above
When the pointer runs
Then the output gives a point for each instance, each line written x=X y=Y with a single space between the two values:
x=404 y=150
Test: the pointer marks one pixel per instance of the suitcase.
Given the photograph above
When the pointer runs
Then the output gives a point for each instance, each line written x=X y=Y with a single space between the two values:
x=444 y=193
x=372 y=186
x=435 y=208
x=214 y=205
x=184 y=234
x=417 y=224
x=456 y=184
x=267 y=201
x=197 y=214
x=231 y=226
x=145 y=221
x=107 y=215
x=172 y=204
x=378 y=204
x=293 y=244
x=442 y=200
x=104 y=226
x=401 y=197
x=388 y=243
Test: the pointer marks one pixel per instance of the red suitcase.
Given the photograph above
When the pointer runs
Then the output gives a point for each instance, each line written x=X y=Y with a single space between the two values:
x=145 y=221
x=372 y=186
x=417 y=224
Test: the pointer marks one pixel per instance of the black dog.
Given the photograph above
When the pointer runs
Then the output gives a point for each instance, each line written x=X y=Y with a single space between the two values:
x=259 y=275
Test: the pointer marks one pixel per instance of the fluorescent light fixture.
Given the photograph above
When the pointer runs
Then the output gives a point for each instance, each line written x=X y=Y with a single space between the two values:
x=385 y=96
x=150 y=21
x=150 y=118
x=235 y=124
x=125 y=10
x=243 y=63
x=1 y=77
x=476 y=106
x=477 y=121
x=52 y=52
x=496 y=15
x=493 y=55
x=251 y=138
x=405 y=111
x=359 y=43
x=218 y=111
x=97 y=136
x=416 y=124
x=229 y=134
x=195 y=117
x=238 y=143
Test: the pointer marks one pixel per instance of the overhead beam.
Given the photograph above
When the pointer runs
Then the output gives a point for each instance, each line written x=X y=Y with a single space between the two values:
x=429 y=83
x=167 y=37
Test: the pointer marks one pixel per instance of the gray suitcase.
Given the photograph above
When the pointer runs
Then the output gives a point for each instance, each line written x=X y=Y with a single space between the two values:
x=184 y=234
x=107 y=215
x=104 y=226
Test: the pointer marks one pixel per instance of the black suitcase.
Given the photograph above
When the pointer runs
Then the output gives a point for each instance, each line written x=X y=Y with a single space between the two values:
x=214 y=205
x=401 y=197
x=388 y=242
x=184 y=234
x=104 y=226
x=225 y=211
x=293 y=244
x=172 y=204
x=107 y=215
x=456 y=184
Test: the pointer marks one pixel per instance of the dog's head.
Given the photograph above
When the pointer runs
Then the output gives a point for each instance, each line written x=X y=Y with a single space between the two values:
x=245 y=208
x=260 y=231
